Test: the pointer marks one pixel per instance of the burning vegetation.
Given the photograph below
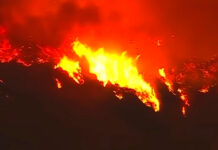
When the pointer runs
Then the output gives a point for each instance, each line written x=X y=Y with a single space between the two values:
x=108 y=74
x=119 y=70
x=191 y=76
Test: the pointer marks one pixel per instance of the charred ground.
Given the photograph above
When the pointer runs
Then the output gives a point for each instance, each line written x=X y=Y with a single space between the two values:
x=35 y=114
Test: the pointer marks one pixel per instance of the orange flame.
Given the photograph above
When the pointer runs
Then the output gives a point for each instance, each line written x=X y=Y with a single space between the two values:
x=72 y=68
x=183 y=96
x=117 y=70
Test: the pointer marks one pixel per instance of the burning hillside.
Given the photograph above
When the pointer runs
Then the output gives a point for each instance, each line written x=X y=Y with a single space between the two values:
x=125 y=61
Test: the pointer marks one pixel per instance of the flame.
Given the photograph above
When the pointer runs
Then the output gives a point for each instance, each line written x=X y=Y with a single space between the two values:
x=193 y=75
x=167 y=82
x=183 y=97
x=59 y=84
x=72 y=68
x=181 y=92
x=117 y=70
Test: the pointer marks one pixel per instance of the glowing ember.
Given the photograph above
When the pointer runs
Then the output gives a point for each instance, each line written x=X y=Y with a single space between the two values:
x=183 y=97
x=158 y=43
x=117 y=70
x=72 y=68
x=118 y=95
x=20 y=61
x=204 y=90
x=193 y=75
x=183 y=110
x=59 y=84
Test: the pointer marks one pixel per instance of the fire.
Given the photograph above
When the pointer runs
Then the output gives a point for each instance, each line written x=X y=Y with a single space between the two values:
x=166 y=80
x=193 y=75
x=183 y=97
x=162 y=73
x=59 y=84
x=118 y=70
x=72 y=68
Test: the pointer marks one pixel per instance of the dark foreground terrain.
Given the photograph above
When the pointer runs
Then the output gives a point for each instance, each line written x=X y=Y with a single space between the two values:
x=36 y=115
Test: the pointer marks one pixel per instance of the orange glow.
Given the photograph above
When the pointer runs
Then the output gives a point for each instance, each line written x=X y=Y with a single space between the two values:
x=72 y=68
x=158 y=43
x=59 y=84
x=118 y=70
x=7 y=54
x=20 y=61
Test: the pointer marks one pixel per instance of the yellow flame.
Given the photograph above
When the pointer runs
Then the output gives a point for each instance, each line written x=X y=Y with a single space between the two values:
x=117 y=69
x=72 y=68
x=162 y=72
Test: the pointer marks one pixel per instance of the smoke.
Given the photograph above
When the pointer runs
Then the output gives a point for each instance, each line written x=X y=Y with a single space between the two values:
x=44 y=22
x=162 y=32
